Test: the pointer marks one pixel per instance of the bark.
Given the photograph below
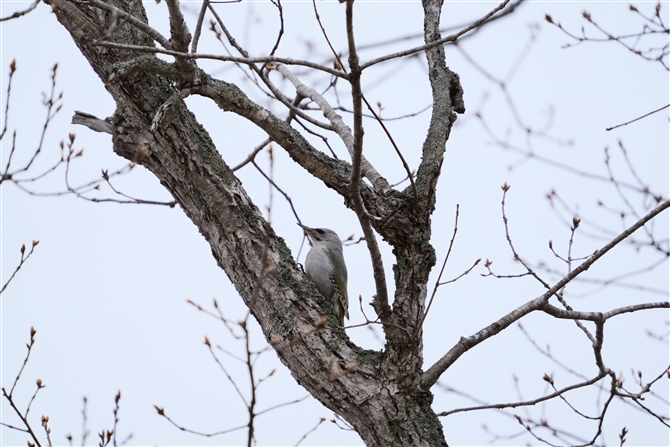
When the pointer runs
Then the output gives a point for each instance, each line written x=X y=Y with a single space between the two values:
x=380 y=394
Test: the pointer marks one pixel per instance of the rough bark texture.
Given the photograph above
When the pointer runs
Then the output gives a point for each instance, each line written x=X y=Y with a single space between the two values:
x=383 y=399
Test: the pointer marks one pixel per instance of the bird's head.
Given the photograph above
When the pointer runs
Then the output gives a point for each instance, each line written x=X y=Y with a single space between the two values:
x=322 y=236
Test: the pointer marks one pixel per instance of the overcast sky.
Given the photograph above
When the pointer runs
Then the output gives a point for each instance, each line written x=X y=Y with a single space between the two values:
x=106 y=288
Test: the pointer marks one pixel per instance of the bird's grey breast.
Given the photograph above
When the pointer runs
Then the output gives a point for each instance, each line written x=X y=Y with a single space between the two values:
x=319 y=269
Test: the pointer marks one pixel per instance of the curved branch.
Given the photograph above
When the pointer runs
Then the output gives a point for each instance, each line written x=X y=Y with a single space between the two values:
x=602 y=316
x=339 y=126
x=18 y=14
x=230 y=98
x=430 y=45
x=541 y=303
x=528 y=402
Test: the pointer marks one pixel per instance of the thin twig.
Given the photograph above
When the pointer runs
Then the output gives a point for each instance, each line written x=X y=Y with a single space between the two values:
x=18 y=267
x=638 y=118
x=198 y=26
x=381 y=304
x=541 y=303
x=321 y=420
x=21 y=13
x=452 y=38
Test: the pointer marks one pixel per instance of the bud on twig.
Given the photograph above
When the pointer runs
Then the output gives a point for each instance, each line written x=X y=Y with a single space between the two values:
x=575 y=222
x=622 y=435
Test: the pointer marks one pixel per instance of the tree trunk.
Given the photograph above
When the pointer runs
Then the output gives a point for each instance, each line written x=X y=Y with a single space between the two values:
x=379 y=394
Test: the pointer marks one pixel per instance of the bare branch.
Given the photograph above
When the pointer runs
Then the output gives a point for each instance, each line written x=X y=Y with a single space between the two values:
x=12 y=70
x=451 y=38
x=161 y=412
x=444 y=264
x=527 y=402
x=24 y=258
x=465 y=344
x=321 y=420
x=217 y=57
x=374 y=114
x=17 y=14
x=198 y=26
x=9 y=397
x=638 y=118
x=338 y=124
x=601 y=316
x=359 y=165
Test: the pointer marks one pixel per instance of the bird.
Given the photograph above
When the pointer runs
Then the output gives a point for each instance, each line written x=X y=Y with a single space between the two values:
x=325 y=266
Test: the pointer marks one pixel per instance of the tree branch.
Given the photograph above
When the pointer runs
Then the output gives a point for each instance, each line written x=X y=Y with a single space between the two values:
x=338 y=124
x=447 y=97
x=380 y=303
x=541 y=303
x=430 y=45
x=18 y=14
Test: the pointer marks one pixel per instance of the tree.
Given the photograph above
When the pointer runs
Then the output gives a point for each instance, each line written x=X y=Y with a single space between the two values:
x=386 y=396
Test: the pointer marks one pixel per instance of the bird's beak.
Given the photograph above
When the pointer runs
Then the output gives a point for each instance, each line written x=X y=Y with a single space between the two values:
x=308 y=231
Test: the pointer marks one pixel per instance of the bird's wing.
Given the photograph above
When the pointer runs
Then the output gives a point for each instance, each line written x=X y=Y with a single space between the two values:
x=340 y=296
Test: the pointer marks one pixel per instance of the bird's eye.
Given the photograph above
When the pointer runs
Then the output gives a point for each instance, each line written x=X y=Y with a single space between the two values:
x=320 y=231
